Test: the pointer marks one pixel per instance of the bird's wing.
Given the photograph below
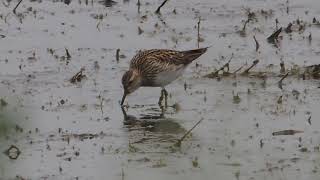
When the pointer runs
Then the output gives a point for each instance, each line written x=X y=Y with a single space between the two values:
x=162 y=59
x=154 y=62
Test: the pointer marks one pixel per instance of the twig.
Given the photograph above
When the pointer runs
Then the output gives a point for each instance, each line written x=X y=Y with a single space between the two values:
x=310 y=38
x=245 y=25
x=78 y=77
x=187 y=133
x=309 y=120
x=282 y=67
x=101 y=104
x=14 y=10
x=274 y=37
x=243 y=31
x=163 y=3
x=98 y=25
x=255 y=62
x=261 y=143
x=238 y=69
x=68 y=54
x=140 y=31
x=5 y=18
x=122 y=174
x=257 y=44
x=286 y=132
x=314 y=20
x=288 y=29
x=251 y=15
x=279 y=101
x=280 y=82
x=283 y=77
x=164 y=22
x=199 y=32
x=139 y=4
x=118 y=55
x=214 y=74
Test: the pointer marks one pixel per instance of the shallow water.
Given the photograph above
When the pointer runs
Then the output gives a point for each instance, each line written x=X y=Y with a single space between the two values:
x=67 y=134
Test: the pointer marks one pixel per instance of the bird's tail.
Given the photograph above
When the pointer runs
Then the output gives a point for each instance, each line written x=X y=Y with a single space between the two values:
x=192 y=55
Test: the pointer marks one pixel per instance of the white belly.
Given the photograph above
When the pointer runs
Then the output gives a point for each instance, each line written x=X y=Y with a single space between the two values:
x=165 y=78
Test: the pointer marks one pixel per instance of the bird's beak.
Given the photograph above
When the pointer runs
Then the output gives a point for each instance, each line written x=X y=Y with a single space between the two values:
x=123 y=98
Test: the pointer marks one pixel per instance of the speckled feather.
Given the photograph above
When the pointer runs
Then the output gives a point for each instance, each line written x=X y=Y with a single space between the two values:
x=151 y=63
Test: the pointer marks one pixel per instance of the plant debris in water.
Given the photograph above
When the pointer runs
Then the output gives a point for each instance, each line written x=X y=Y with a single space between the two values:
x=286 y=132
x=78 y=76
x=273 y=38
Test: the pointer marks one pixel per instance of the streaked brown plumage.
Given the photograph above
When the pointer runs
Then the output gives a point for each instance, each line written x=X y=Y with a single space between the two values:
x=157 y=68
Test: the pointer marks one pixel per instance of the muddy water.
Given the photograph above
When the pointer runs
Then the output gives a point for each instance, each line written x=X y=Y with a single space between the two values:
x=79 y=131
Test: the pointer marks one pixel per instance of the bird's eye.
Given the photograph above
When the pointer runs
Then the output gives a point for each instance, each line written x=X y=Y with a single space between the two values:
x=130 y=82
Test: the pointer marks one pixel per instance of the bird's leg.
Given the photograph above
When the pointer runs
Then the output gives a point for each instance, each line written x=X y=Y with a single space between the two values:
x=165 y=92
x=124 y=113
x=163 y=110
x=161 y=98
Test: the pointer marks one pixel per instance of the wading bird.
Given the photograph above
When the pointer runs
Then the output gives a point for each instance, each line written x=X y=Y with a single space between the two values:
x=157 y=68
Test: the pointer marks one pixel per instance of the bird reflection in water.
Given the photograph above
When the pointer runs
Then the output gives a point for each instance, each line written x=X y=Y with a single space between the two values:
x=155 y=127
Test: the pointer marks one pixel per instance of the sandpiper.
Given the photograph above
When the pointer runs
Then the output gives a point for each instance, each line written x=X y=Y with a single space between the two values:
x=157 y=68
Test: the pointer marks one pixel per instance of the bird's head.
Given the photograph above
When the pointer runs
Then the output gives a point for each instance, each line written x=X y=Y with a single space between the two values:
x=131 y=81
